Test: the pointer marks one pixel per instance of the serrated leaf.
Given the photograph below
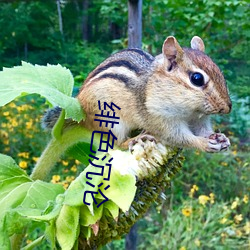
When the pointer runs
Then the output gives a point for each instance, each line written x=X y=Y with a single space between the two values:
x=67 y=226
x=53 y=82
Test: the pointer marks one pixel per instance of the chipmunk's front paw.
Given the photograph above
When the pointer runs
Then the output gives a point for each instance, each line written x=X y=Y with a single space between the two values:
x=218 y=142
x=141 y=139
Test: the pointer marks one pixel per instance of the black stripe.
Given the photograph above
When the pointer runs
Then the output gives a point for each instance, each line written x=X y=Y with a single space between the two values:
x=118 y=77
x=142 y=53
x=118 y=63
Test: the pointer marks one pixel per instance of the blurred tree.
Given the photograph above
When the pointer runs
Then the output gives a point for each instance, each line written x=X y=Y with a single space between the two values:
x=134 y=23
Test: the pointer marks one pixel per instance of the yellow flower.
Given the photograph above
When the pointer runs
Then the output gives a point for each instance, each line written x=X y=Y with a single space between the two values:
x=187 y=211
x=193 y=190
x=197 y=242
x=6 y=141
x=12 y=105
x=245 y=199
x=35 y=159
x=77 y=162
x=224 y=164
x=24 y=154
x=203 y=199
x=234 y=152
x=29 y=124
x=223 y=220
x=235 y=203
x=238 y=218
x=4 y=134
x=65 y=185
x=70 y=178
x=211 y=195
x=183 y=248
x=65 y=163
x=247 y=227
x=6 y=113
x=238 y=233
x=238 y=159
x=73 y=168
x=14 y=123
x=55 y=178
x=223 y=235
x=23 y=164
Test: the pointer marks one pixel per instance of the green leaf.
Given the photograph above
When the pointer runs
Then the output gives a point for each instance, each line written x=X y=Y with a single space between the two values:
x=112 y=208
x=20 y=197
x=45 y=217
x=86 y=218
x=74 y=193
x=14 y=198
x=50 y=234
x=67 y=226
x=81 y=151
x=9 y=168
x=4 y=240
x=9 y=184
x=53 y=82
x=122 y=189
x=39 y=194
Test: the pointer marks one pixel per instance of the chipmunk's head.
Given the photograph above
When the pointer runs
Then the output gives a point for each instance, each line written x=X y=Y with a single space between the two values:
x=198 y=77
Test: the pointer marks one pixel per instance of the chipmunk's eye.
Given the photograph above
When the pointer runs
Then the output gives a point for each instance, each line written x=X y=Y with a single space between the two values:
x=197 y=79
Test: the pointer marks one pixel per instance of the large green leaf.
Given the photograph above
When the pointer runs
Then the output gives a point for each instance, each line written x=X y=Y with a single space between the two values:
x=22 y=200
x=67 y=226
x=53 y=82
x=121 y=191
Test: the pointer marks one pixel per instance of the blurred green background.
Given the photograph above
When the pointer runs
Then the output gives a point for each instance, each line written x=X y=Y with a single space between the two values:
x=207 y=206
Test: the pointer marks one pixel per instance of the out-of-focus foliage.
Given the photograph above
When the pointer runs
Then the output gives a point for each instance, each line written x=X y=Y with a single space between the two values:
x=30 y=31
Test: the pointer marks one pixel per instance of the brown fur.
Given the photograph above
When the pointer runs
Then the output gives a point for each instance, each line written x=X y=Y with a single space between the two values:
x=156 y=95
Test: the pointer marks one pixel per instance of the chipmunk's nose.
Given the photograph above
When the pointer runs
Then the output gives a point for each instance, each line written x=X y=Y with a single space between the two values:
x=227 y=108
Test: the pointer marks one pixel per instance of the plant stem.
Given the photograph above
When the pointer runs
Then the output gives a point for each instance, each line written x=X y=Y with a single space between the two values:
x=57 y=147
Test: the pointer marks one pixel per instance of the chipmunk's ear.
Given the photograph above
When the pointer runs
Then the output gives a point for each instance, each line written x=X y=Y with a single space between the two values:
x=171 y=49
x=197 y=43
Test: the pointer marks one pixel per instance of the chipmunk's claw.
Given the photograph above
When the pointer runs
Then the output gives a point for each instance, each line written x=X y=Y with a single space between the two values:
x=141 y=139
x=218 y=142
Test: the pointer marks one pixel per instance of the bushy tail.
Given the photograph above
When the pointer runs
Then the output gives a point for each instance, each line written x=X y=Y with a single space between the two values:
x=50 y=118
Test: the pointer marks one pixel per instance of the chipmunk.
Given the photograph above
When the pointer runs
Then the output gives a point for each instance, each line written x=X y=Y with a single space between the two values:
x=170 y=97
